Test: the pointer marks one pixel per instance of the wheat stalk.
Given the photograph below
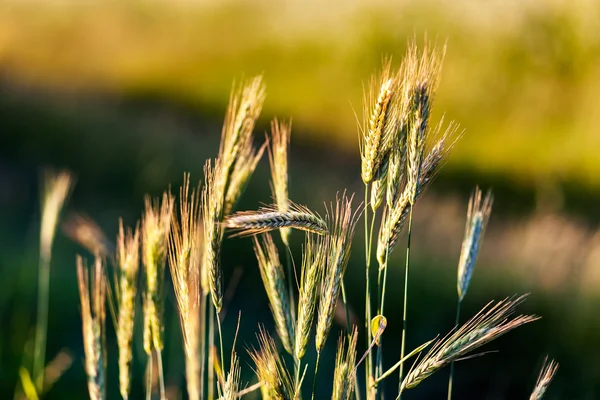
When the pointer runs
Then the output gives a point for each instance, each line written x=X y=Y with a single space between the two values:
x=93 y=315
x=265 y=219
x=127 y=261
x=490 y=323
x=545 y=378
x=273 y=277
x=342 y=222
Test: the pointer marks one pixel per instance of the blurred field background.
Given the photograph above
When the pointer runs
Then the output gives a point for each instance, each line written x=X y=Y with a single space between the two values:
x=129 y=95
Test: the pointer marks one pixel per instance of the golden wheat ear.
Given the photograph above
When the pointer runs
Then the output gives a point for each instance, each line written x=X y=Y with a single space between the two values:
x=545 y=378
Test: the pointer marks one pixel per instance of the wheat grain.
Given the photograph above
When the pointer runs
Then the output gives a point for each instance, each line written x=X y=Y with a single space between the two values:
x=477 y=217
x=127 y=260
x=545 y=378
x=265 y=219
x=93 y=315
x=273 y=277
x=490 y=323
x=342 y=222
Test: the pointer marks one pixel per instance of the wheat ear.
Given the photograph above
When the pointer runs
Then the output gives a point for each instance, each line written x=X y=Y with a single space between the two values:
x=342 y=223
x=93 y=315
x=127 y=261
x=185 y=252
x=380 y=123
x=478 y=214
x=313 y=262
x=344 y=375
x=213 y=233
x=271 y=370
x=273 y=277
x=265 y=219
x=278 y=160
x=490 y=323
x=545 y=378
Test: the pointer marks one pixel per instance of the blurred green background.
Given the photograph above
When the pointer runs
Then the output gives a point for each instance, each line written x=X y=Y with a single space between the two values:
x=129 y=95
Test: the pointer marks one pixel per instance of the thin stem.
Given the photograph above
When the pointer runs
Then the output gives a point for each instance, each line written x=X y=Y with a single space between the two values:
x=211 y=357
x=202 y=342
x=249 y=389
x=381 y=289
x=369 y=362
x=41 y=327
x=346 y=310
x=161 y=377
x=297 y=365
x=403 y=345
x=291 y=280
x=349 y=330
x=451 y=379
x=315 y=377
x=149 y=378
x=220 y=343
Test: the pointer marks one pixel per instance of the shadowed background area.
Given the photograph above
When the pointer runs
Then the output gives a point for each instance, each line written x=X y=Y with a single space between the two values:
x=128 y=96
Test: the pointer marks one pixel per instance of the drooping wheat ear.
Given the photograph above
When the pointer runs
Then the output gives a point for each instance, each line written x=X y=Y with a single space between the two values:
x=213 y=233
x=380 y=123
x=478 y=214
x=271 y=370
x=83 y=230
x=394 y=217
x=243 y=169
x=273 y=277
x=344 y=375
x=156 y=224
x=278 y=160
x=490 y=323
x=93 y=315
x=55 y=191
x=342 y=223
x=185 y=252
x=232 y=383
x=546 y=374
x=265 y=219
x=126 y=281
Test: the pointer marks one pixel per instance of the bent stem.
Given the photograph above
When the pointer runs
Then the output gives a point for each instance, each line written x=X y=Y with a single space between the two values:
x=451 y=379
x=403 y=345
